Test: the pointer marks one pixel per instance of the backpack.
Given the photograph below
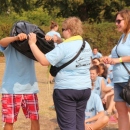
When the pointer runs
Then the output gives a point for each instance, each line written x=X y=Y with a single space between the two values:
x=23 y=46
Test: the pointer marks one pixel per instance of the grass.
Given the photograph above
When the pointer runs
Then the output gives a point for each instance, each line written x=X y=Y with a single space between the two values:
x=47 y=117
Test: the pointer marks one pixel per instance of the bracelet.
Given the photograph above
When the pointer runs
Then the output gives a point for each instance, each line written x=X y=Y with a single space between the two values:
x=120 y=59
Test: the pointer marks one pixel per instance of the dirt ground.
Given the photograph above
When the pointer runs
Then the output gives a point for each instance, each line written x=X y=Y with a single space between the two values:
x=47 y=116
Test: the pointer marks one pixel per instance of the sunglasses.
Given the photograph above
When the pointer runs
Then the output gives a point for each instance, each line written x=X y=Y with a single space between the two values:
x=118 y=21
x=63 y=29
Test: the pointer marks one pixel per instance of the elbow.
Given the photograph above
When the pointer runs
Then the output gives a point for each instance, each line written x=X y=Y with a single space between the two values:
x=42 y=60
x=2 y=44
x=44 y=63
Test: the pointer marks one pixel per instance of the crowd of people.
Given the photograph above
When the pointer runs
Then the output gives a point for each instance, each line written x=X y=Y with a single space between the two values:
x=86 y=91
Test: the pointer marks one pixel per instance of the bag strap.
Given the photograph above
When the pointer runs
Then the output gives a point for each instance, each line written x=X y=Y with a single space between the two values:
x=119 y=56
x=64 y=65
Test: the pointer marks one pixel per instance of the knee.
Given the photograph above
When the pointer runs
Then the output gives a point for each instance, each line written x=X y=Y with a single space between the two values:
x=34 y=121
x=8 y=125
x=122 y=108
x=105 y=119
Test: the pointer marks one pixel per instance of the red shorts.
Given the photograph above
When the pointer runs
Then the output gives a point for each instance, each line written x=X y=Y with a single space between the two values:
x=11 y=104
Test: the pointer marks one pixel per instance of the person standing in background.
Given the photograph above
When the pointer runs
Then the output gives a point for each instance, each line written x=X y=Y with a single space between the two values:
x=53 y=30
x=95 y=53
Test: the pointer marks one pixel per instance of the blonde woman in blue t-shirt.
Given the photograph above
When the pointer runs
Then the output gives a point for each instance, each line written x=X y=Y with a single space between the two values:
x=72 y=87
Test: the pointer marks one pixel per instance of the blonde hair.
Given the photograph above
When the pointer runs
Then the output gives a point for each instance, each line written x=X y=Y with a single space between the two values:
x=74 y=24
x=125 y=14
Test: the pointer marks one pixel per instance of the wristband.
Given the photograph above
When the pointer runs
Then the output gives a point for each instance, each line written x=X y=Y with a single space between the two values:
x=120 y=59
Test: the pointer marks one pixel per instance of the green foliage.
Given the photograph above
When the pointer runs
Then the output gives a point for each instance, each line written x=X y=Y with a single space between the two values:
x=38 y=17
x=103 y=35
x=18 y=6
x=88 y=10
x=5 y=25
x=94 y=13
x=1 y=54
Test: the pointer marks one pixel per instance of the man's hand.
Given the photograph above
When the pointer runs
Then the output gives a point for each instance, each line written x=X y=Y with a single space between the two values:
x=48 y=38
x=32 y=38
x=21 y=36
x=108 y=60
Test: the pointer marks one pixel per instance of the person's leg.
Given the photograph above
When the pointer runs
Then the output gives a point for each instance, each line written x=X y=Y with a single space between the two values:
x=65 y=106
x=82 y=98
x=35 y=125
x=30 y=109
x=123 y=118
x=10 y=109
x=111 y=104
x=8 y=126
x=109 y=111
x=122 y=109
x=99 y=124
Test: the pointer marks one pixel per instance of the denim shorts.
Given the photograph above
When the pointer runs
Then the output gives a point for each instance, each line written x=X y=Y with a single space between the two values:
x=117 y=89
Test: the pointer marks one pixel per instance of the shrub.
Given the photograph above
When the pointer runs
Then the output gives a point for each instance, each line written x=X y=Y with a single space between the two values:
x=103 y=35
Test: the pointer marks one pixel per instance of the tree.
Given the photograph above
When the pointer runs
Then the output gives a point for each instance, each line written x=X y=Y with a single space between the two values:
x=3 y=5
x=16 y=5
x=87 y=10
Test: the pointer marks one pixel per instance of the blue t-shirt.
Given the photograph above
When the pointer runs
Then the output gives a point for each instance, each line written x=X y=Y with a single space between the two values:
x=52 y=33
x=98 y=55
x=110 y=72
x=110 y=76
x=119 y=72
x=97 y=86
x=19 y=76
x=94 y=105
x=76 y=75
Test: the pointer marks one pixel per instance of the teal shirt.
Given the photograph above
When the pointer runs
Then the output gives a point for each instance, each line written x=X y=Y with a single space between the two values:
x=94 y=105
x=97 y=86
x=52 y=33
x=119 y=72
x=98 y=55
x=76 y=75
x=19 y=76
